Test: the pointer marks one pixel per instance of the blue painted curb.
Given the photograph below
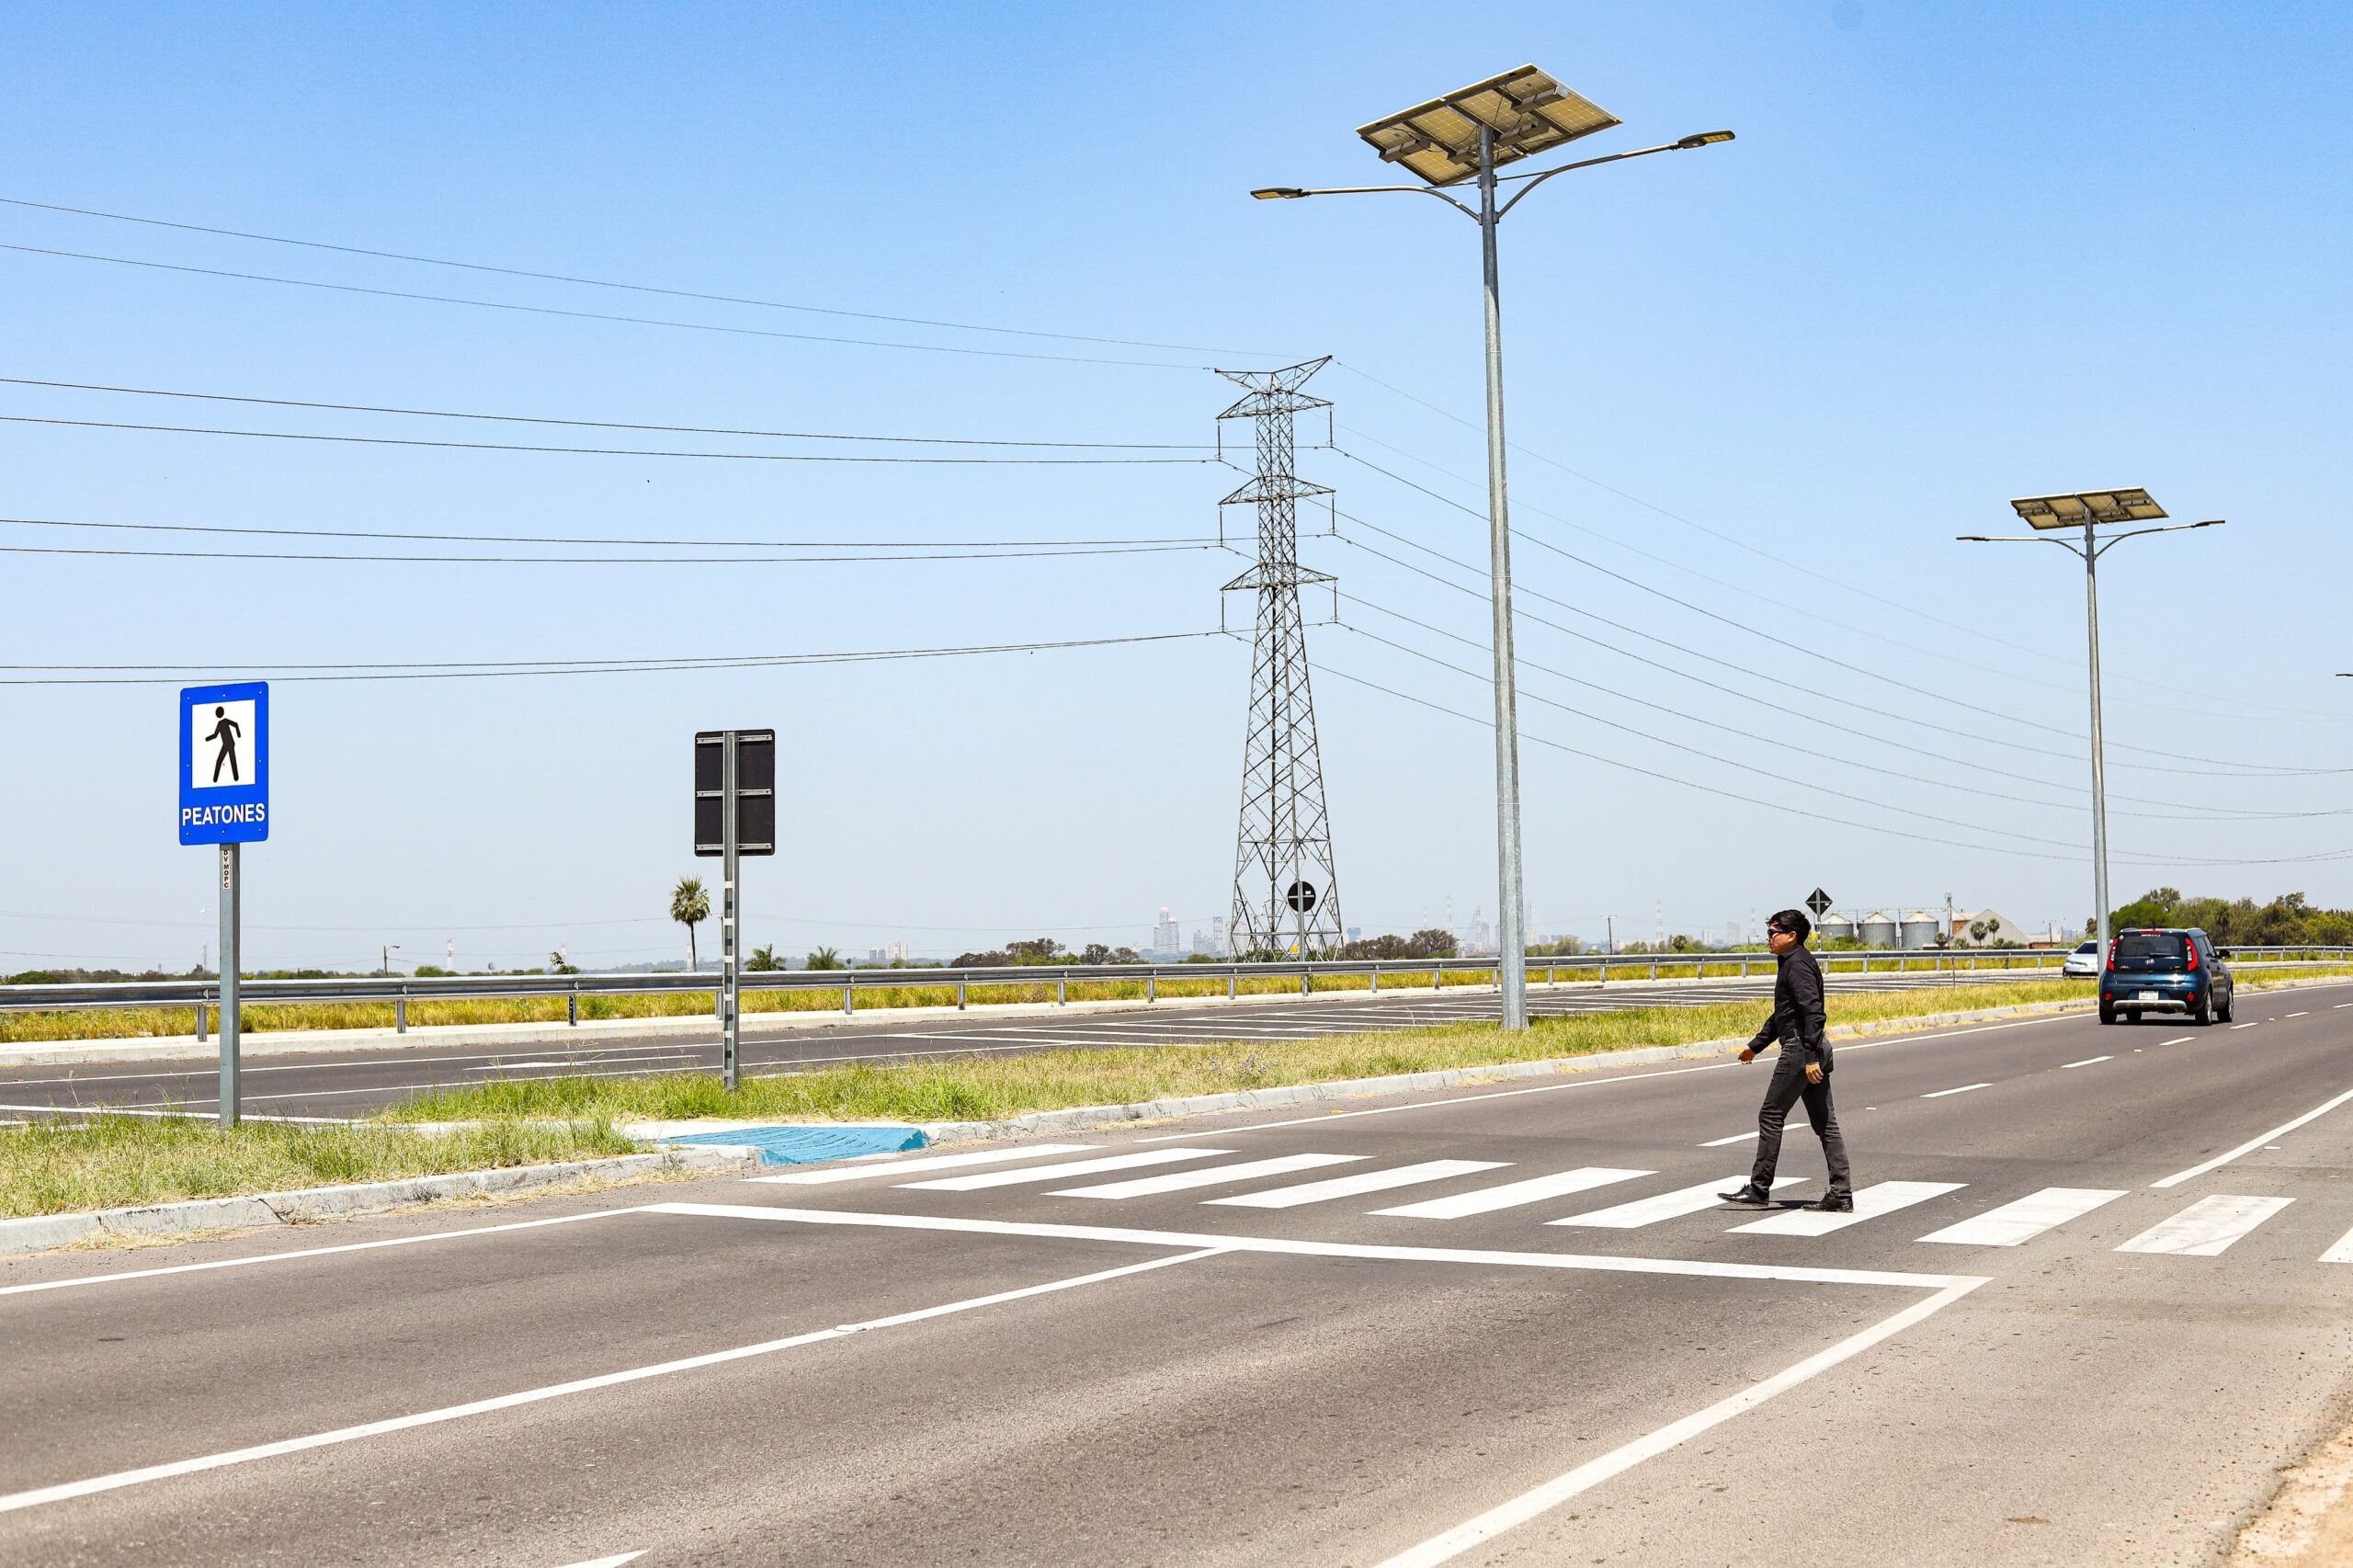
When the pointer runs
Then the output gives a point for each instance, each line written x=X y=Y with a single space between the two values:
x=809 y=1145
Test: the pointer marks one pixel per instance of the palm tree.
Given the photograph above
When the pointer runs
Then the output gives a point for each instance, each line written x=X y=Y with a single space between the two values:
x=825 y=957
x=689 y=906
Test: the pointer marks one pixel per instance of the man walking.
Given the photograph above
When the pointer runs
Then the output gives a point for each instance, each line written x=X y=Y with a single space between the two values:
x=1802 y=1072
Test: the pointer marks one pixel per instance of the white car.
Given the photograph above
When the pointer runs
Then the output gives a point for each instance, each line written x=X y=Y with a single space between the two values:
x=2083 y=961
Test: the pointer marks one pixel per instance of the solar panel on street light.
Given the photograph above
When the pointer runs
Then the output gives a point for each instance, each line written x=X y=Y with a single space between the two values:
x=2075 y=510
x=1526 y=109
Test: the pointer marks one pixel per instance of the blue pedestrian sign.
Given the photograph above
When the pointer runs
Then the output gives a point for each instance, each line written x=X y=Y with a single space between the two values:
x=224 y=763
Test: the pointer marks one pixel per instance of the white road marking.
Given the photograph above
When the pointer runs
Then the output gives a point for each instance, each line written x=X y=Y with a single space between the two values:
x=1179 y=1181
x=609 y=1562
x=1065 y=1169
x=2178 y=1039
x=2207 y=1226
x=2342 y=1252
x=1364 y=1181
x=1939 y=1094
x=2086 y=1062
x=2295 y=1015
x=309 y=1252
x=1869 y=1204
x=42 y=1495
x=1512 y=1193
x=1720 y=1143
x=888 y=1167
x=2247 y=1026
x=1665 y=1205
x=2025 y=1218
x=1284 y=1246
x=1542 y=1499
x=517 y=1067
x=2252 y=1144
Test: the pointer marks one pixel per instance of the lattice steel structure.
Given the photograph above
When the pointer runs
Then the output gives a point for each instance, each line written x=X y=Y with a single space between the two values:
x=1286 y=892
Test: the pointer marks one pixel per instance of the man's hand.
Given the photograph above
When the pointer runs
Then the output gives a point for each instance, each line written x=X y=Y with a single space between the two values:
x=1748 y=1054
x=1813 y=1072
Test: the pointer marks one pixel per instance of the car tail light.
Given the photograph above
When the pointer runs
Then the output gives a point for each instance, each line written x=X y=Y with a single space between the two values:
x=2192 y=947
x=2113 y=942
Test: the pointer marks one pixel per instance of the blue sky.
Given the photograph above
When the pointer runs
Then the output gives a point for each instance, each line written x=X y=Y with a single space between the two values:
x=1958 y=253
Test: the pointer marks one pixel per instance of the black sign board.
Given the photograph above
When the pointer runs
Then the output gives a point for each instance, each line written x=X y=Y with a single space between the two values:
x=1819 y=902
x=755 y=791
x=1301 y=897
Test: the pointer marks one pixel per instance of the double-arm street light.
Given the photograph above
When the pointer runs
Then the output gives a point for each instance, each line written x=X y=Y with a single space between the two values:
x=2090 y=510
x=1465 y=136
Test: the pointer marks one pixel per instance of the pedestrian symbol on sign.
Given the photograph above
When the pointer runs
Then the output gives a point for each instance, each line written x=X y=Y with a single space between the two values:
x=225 y=730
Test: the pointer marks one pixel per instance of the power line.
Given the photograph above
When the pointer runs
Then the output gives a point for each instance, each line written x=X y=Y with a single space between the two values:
x=631 y=288
x=488 y=669
x=591 y=538
x=597 y=424
x=587 y=559
x=596 y=451
x=591 y=316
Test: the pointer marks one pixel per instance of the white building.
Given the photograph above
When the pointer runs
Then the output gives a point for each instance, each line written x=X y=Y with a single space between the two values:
x=1166 y=937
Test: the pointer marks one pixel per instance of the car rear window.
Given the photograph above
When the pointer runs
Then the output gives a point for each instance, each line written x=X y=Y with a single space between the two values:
x=2150 y=945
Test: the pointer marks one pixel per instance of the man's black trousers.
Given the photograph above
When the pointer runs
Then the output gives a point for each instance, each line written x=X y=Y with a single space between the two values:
x=1788 y=1087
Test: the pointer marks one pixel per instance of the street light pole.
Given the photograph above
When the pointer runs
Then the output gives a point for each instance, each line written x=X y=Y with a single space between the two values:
x=1511 y=976
x=2090 y=508
x=1516 y=115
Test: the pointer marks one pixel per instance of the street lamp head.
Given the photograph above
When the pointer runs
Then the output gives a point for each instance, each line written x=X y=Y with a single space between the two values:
x=1527 y=111
x=1279 y=193
x=1703 y=139
x=2072 y=511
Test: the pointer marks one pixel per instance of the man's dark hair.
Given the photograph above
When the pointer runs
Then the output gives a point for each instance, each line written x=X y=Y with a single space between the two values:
x=1793 y=921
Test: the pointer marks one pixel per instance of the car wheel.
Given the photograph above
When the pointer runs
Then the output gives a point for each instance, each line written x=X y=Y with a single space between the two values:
x=2202 y=1015
x=2223 y=1014
x=2107 y=1014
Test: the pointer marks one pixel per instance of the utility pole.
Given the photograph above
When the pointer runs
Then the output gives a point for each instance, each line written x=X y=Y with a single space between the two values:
x=1610 y=925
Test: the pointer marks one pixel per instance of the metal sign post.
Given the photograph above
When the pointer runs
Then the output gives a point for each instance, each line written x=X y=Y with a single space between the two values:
x=734 y=816
x=224 y=799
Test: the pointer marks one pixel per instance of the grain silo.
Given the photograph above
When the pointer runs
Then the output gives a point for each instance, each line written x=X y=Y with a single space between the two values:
x=1878 y=929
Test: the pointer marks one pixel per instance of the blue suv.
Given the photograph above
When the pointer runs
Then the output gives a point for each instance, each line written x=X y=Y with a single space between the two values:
x=2165 y=972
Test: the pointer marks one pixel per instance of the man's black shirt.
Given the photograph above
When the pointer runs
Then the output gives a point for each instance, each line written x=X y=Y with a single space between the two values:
x=1797 y=1008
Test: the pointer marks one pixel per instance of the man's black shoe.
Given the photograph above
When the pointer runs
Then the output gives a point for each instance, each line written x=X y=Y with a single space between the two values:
x=1749 y=1196
x=1834 y=1203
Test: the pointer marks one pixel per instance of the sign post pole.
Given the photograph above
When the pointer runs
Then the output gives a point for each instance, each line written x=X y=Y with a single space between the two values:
x=232 y=954
x=732 y=1038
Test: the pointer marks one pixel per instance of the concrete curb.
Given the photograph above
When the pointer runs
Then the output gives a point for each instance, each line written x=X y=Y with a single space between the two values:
x=46 y=1232
x=1078 y=1116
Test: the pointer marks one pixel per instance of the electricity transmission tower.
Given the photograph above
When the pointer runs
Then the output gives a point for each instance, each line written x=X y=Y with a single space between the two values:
x=1286 y=894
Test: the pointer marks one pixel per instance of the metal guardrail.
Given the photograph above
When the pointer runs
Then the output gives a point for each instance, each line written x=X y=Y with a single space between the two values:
x=1600 y=968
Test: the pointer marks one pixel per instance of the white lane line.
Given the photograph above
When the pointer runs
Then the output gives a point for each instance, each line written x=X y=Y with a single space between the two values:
x=1284 y=1246
x=1589 y=1063
x=1939 y=1094
x=2236 y=1027
x=517 y=1067
x=1539 y=1500
x=1512 y=1193
x=2207 y=1226
x=1365 y=1181
x=2342 y=1252
x=1180 y=1181
x=1871 y=1202
x=1665 y=1205
x=1721 y=1143
x=309 y=1252
x=2252 y=1144
x=2025 y=1218
x=609 y=1562
x=1065 y=1169
x=888 y=1167
x=2295 y=1015
x=2178 y=1039
x=42 y=1495
x=2345 y=1004
x=2086 y=1062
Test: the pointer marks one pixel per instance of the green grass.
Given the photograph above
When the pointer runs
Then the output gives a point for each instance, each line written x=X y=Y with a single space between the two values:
x=110 y=1161
x=981 y=1089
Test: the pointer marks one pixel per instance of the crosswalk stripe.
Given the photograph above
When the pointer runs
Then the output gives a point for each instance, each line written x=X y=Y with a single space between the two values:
x=1214 y=1176
x=924 y=1163
x=1066 y=1168
x=1512 y=1193
x=2342 y=1252
x=1869 y=1204
x=1665 y=1205
x=1366 y=1181
x=2207 y=1226
x=2025 y=1218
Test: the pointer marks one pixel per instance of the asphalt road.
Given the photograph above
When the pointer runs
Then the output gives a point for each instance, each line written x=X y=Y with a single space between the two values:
x=2101 y=1317
x=355 y=1082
